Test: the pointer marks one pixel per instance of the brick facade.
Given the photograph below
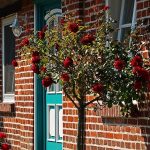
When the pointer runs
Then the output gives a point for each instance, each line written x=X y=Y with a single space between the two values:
x=17 y=120
x=105 y=130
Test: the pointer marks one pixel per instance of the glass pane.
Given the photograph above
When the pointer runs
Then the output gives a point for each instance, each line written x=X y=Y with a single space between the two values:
x=51 y=123
x=9 y=55
x=51 y=24
x=115 y=10
x=52 y=88
x=125 y=32
x=128 y=11
x=59 y=87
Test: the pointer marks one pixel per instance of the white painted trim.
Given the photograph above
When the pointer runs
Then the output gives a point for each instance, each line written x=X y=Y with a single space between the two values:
x=57 y=123
x=134 y=15
x=7 y=98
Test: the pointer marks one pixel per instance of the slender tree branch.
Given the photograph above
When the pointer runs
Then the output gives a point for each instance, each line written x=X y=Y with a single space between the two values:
x=70 y=98
x=74 y=90
x=95 y=99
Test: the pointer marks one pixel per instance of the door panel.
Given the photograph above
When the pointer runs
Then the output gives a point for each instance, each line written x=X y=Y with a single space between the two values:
x=50 y=119
x=54 y=126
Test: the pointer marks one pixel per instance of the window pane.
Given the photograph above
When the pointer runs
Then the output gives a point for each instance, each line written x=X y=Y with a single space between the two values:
x=125 y=32
x=9 y=54
x=115 y=10
x=128 y=11
x=51 y=24
x=52 y=88
x=51 y=123
x=59 y=87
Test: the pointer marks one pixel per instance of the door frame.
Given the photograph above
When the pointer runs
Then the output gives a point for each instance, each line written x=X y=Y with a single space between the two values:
x=39 y=97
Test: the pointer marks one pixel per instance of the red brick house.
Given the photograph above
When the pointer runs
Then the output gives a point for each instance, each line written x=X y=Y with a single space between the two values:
x=29 y=115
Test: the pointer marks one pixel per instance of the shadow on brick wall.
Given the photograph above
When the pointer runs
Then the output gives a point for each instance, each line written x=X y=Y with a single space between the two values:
x=129 y=133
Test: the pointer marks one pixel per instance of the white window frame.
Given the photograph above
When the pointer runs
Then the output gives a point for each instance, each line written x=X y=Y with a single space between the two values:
x=7 y=98
x=121 y=25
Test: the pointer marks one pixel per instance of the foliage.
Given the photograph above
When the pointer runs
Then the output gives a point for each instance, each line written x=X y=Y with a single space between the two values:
x=89 y=62
x=3 y=143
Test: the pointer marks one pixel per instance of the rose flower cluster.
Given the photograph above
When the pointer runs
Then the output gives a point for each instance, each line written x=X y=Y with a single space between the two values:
x=142 y=76
x=79 y=58
x=3 y=144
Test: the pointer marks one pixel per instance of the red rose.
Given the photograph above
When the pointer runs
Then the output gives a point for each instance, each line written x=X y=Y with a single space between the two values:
x=136 y=70
x=97 y=87
x=28 y=30
x=68 y=62
x=73 y=27
x=35 y=53
x=137 y=85
x=141 y=72
x=2 y=135
x=25 y=42
x=47 y=81
x=41 y=35
x=65 y=77
x=106 y=8
x=43 y=69
x=87 y=39
x=119 y=64
x=35 y=68
x=136 y=61
x=5 y=146
x=62 y=21
x=145 y=75
x=14 y=63
x=35 y=57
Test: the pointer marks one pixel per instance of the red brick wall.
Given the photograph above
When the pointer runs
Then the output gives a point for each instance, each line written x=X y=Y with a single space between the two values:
x=17 y=120
x=104 y=132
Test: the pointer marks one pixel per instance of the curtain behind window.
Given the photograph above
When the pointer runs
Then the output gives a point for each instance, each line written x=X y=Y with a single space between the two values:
x=9 y=54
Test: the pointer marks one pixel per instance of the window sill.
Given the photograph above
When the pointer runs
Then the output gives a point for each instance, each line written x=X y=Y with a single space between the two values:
x=7 y=107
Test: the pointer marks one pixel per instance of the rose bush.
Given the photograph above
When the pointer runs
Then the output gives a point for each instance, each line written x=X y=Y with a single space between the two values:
x=3 y=143
x=90 y=63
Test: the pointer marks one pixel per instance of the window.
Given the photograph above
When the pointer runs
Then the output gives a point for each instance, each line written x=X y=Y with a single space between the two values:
x=8 y=54
x=52 y=19
x=124 y=11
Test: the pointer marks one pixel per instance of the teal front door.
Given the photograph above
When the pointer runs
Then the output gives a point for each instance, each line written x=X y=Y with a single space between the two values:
x=49 y=101
x=54 y=118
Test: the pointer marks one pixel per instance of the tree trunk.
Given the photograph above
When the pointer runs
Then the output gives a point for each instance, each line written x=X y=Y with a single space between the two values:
x=81 y=129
